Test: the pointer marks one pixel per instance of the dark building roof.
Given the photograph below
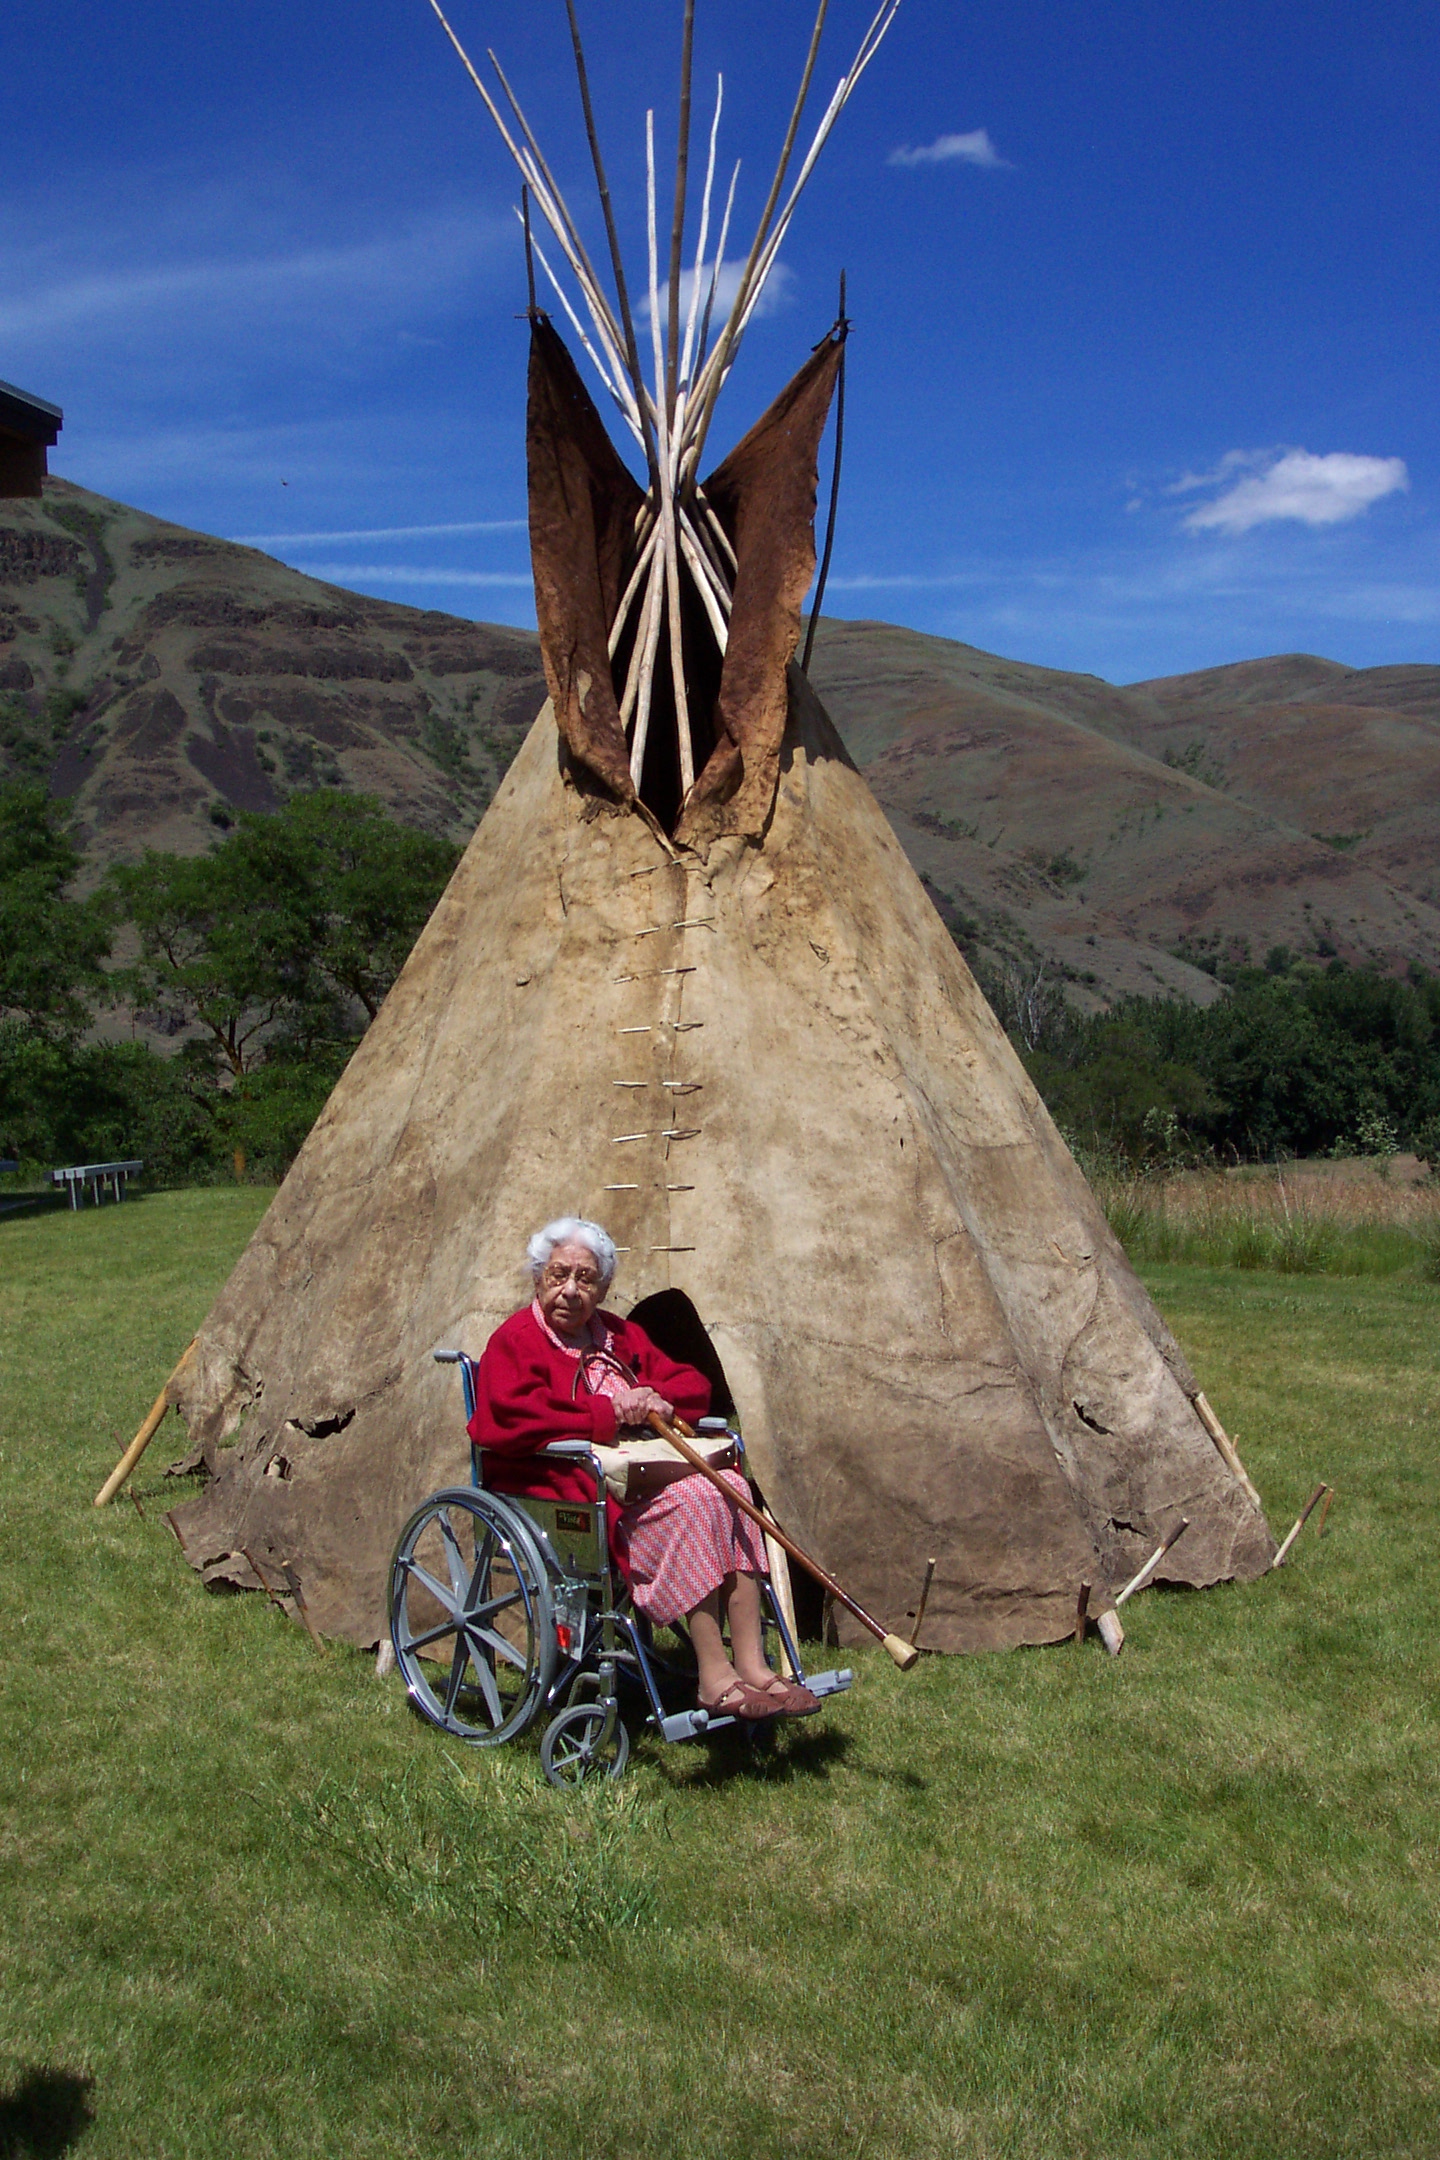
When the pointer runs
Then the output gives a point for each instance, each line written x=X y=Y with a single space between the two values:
x=28 y=426
x=33 y=417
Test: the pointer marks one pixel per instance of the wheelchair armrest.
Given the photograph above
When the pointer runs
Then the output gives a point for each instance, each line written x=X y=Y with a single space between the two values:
x=578 y=1451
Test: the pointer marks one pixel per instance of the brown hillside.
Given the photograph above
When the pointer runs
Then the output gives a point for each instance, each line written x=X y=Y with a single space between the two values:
x=1349 y=754
x=1103 y=829
x=165 y=680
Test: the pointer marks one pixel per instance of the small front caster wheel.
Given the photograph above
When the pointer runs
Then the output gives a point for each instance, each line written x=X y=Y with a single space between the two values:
x=574 y=1750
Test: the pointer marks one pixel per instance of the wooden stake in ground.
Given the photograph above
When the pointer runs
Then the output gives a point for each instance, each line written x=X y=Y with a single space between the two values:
x=1226 y=1446
x=1312 y=1503
x=145 y=1435
x=292 y=1590
x=924 y=1601
x=1082 y=1611
x=1138 y=1582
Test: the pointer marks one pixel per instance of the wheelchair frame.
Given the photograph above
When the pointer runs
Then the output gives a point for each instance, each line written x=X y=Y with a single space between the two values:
x=528 y=1599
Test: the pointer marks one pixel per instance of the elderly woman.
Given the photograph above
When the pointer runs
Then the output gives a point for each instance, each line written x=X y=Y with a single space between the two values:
x=564 y=1369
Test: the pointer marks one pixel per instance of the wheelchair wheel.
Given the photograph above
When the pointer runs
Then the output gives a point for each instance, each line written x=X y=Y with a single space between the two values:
x=471 y=1618
x=571 y=1750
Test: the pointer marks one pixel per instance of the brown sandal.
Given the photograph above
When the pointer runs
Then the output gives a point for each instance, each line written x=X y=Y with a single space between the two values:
x=791 y=1697
x=741 y=1701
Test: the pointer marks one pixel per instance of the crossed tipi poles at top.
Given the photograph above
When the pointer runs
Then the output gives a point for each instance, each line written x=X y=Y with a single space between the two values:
x=677 y=530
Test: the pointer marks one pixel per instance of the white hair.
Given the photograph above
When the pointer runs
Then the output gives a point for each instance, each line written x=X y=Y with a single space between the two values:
x=568 y=1230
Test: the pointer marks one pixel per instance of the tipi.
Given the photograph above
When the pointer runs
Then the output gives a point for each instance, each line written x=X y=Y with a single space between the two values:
x=685 y=981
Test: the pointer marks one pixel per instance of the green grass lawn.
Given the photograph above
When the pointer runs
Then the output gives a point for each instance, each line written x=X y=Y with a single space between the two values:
x=1180 y=1904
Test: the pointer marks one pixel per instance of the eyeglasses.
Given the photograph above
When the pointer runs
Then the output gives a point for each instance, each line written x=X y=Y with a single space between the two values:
x=584 y=1278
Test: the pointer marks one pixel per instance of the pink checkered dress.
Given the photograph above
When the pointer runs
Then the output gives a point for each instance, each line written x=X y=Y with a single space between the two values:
x=682 y=1543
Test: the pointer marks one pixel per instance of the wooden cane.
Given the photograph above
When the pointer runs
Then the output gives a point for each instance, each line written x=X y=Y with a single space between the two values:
x=1311 y=1504
x=145 y=1435
x=905 y=1654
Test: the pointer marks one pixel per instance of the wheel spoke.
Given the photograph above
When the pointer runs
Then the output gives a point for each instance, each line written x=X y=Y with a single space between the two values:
x=480 y=1573
x=498 y=1644
x=457 y=1674
x=447 y=1599
x=488 y=1689
x=491 y=1606
x=418 y=1642
x=455 y=1559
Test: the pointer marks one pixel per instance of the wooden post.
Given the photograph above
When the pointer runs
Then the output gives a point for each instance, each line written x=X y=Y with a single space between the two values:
x=1082 y=1611
x=1226 y=1446
x=1311 y=1503
x=145 y=1435
x=924 y=1601
x=1138 y=1582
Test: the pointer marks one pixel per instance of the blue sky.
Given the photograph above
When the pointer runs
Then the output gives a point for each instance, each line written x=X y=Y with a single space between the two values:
x=1145 y=297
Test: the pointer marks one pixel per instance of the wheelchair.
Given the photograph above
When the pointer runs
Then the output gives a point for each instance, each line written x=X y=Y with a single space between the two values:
x=504 y=1609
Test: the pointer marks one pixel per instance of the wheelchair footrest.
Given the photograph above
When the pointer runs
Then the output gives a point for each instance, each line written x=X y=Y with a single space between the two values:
x=691 y=1724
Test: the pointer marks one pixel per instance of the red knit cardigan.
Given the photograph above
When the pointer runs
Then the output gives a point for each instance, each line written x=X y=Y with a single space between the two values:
x=527 y=1392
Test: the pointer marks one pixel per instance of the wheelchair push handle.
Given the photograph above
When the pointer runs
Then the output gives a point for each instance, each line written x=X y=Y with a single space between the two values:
x=904 y=1654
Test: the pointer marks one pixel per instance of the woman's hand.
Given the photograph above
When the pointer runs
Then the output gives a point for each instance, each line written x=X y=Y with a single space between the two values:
x=636 y=1406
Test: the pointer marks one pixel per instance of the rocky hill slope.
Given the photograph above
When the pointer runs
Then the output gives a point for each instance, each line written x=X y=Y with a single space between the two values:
x=1104 y=831
x=1115 y=839
x=165 y=680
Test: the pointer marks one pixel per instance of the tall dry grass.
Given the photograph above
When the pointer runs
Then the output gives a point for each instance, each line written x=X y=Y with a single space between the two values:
x=1311 y=1219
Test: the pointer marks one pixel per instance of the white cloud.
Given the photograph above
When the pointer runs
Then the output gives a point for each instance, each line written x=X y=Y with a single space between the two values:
x=1290 y=484
x=975 y=148
x=727 y=285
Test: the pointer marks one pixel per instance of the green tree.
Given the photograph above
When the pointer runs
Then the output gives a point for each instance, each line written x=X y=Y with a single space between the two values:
x=289 y=932
x=374 y=884
x=51 y=946
x=226 y=944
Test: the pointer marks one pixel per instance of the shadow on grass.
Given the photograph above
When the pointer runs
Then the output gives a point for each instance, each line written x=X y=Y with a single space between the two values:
x=765 y=1758
x=25 y=1206
x=43 y=2115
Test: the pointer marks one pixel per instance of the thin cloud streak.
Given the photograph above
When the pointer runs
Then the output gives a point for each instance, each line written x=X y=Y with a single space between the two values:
x=976 y=148
x=399 y=269
x=378 y=532
x=413 y=574
x=1128 y=615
